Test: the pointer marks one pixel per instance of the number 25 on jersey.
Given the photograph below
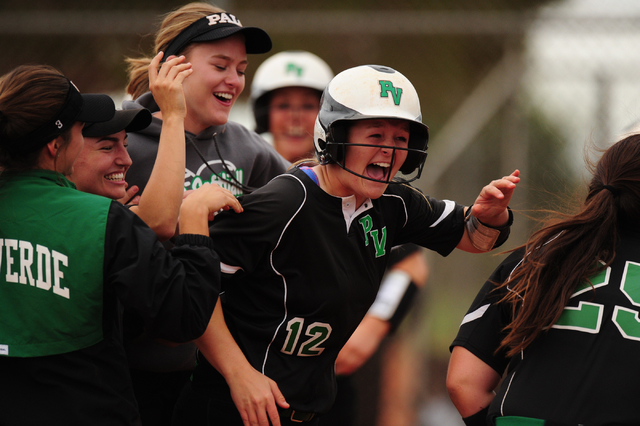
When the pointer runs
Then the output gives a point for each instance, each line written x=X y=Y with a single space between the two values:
x=587 y=316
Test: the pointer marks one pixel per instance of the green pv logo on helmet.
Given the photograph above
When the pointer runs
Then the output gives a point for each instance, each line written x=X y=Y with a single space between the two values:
x=386 y=86
x=294 y=69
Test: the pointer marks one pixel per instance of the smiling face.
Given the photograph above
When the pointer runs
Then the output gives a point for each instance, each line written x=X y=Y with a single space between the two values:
x=375 y=162
x=102 y=165
x=292 y=115
x=216 y=82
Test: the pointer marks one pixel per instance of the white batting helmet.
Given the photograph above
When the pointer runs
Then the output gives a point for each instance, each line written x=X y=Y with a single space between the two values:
x=365 y=92
x=294 y=68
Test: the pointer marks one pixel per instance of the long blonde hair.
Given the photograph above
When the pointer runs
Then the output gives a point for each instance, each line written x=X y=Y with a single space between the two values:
x=172 y=25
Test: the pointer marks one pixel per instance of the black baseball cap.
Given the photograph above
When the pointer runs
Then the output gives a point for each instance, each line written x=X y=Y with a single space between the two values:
x=218 y=26
x=87 y=108
x=130 y=120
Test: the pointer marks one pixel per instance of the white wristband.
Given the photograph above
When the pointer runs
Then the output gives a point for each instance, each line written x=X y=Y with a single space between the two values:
x=392 y=289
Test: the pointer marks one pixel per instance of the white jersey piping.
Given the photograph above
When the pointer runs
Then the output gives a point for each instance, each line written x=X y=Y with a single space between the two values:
x=284 y=281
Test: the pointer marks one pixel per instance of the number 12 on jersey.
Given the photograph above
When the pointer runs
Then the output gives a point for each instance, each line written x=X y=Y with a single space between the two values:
x=317 y=332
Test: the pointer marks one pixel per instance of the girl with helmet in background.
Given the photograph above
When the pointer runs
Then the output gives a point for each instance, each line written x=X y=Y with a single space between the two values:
x=285 y=97
x=70 y=261
x=303 y=262
x=218 y=151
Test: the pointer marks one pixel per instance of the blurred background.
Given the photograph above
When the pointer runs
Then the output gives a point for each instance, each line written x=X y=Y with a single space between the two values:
x=503 y=84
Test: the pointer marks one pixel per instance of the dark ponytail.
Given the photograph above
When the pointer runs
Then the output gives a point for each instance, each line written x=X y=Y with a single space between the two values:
x=30 y=95
x=571 y=248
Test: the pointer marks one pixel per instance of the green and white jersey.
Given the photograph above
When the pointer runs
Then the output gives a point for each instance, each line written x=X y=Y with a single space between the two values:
x=69 y=263
x=50 y=257
x=584 y=369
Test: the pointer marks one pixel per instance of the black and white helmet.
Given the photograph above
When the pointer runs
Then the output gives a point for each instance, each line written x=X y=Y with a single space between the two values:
x=292 y=68
x=366 y=92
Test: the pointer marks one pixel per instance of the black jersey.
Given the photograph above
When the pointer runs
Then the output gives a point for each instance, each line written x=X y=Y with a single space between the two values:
x=584 y=369
x=301 y=268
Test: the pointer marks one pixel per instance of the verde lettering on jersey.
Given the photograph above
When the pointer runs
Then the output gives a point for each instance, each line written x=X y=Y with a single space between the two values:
x=587 y=317
x=317 y=332
x=379 y=237
x=387 y=87
x=294 y=69
x=19 y=265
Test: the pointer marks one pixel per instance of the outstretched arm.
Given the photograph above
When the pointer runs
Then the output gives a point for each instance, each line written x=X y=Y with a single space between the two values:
x=471 y=383
x=490 y=209
x=160 y=203
x=256 y=396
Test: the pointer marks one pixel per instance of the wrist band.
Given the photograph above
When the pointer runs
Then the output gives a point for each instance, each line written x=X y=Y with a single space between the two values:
x=484 y=237
x=477 y=419
x=393 y=287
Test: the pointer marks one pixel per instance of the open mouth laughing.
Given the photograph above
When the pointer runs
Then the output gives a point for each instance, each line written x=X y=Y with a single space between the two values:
x=115 y=177
x=378 y=171
x=223 y=97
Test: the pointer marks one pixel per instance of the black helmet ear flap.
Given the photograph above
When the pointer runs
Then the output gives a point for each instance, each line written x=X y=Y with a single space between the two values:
x=418 y=143
x=320 y=136
x=261 y=113
x=336 y=141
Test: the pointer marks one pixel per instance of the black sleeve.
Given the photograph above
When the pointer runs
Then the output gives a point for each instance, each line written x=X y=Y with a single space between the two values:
x=174 y=292
x=401 y=252
x=477 y=419
x=482 y=328
x=431 y=223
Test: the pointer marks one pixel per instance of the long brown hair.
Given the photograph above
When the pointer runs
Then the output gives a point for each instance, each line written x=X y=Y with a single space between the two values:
x=571 y=248
x=30 y=95
x=172 y=25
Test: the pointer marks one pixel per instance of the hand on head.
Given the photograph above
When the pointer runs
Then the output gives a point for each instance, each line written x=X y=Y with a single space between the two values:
x=166 y=84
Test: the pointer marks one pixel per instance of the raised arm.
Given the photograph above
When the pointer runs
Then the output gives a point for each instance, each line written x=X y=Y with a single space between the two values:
x=256 y=396
x=159 y=205
x=489 y=219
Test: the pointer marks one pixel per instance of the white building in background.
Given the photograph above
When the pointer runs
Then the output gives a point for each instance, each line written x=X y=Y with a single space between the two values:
x=583 y=69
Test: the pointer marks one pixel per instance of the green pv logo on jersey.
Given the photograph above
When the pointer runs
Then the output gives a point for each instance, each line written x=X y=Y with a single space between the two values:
x=379 y=238
x=387 y=87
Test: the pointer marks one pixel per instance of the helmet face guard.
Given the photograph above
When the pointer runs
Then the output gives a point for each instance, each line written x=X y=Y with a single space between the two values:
x=413 y=156
x=370 y=92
